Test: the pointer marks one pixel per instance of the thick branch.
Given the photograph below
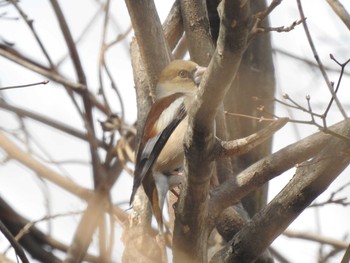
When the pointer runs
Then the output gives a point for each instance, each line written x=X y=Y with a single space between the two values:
x=196 y=25
x=94 y=213
x=340 y=10
x=311 y=179
x=271 y=166
x=92 y=216
x=173 y=28
x=191 y=231
x=150 y=38
x=255 y=79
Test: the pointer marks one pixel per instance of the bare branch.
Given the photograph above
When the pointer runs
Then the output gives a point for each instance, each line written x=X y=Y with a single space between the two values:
x=190 y=228
x=316 y=238
x=14 y=243
x=98 y=205
x=143 y=16
x=243 y=145
x=24 y=61
x=70 y=42
x=98 y=172
x=305 y=60
x=16 y=153
x=94 y=213
x=332 y=200
x=263 y=14
x=310 y=180
x=25 y=85
x=47 y=121
x=271 y=166
x=173 y=28
x=196 y=25
x=346 y=257
x=32 y=29
x=340 y=10
x=318 y=60
x=281 y=28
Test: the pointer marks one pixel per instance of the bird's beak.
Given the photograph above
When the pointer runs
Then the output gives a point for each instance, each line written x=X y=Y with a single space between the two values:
x=197 y=75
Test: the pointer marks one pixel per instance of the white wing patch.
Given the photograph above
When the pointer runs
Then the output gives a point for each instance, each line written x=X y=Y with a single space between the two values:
x=168 y=115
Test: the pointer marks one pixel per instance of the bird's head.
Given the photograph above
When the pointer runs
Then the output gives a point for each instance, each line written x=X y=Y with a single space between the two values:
x=179 y=76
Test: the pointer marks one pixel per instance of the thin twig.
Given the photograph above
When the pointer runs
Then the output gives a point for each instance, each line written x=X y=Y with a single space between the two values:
x=70 y=42
x=305 y=60
x=45 y=120
x=17 y=57
x=281 y=29
x=314 y=51
x=263 y=14
x=82 y=34
x=120 y=37
x=28 y=226
x=297 y=106
x=316 y=238
x=342 y=66
x=262 y=118
x=332 y=200
x=98 y=172
x=25 y=85
x=114 y=87
x=30 y=24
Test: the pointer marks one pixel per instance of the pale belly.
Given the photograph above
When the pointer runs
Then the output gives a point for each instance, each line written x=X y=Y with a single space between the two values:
x=174 y=157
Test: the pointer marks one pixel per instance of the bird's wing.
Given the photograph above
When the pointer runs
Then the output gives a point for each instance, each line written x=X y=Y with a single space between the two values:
x=152 y=141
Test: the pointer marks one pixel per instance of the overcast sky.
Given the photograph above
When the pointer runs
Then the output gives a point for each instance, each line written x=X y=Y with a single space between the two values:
x=293 y=78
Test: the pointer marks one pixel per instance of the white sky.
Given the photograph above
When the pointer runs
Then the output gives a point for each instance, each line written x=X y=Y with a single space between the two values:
x=22 y=189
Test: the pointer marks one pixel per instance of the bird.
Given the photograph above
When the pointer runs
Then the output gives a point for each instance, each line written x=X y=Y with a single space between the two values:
x=160 y=154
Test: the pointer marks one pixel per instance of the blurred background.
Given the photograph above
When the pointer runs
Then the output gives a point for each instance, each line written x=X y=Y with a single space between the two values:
x=34 y=198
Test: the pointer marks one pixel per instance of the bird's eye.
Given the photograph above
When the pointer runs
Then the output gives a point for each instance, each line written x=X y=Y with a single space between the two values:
x=183 y=74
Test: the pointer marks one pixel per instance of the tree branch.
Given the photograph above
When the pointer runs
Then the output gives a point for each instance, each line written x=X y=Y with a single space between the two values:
x=318 y=60
x=13 y=242
x=24 y=61
x=99 y=174
x=196 y=25
x=254 y=176
x=190 y=226
x=92 y=216
x=98 y=205
x=316 y=238
x=340 y=10
x=311 y=179
x=244 y=145
x=173 y=28
x=144 y=18
x=16 y=153
x=34 y=66
x=47 y=121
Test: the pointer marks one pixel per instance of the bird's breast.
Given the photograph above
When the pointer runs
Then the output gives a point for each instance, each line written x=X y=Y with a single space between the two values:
x=172 y=155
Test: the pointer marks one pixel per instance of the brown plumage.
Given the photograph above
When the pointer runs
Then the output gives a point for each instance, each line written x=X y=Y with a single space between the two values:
x=160 y=153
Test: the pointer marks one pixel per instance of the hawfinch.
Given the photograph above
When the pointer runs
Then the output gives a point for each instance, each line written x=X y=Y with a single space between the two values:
x=160 y=154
